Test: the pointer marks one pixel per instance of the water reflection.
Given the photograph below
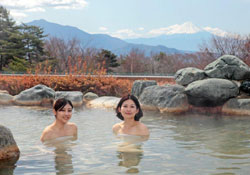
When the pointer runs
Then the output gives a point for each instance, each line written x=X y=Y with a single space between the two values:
x=130 y=152
x=220 y=135
x=130 y=160
x=7 y=167
x=178 y=145
x=223 y=141
x=63 y=157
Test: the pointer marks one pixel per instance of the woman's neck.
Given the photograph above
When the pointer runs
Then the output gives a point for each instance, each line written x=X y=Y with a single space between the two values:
x=129 y=122
x=59 y=125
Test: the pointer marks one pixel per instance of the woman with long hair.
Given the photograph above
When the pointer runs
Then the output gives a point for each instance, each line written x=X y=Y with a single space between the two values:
x=129 y=110
x=61 y=127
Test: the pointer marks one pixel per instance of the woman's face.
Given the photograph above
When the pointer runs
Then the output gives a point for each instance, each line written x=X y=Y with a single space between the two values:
x=64 y=114
x=128 y=109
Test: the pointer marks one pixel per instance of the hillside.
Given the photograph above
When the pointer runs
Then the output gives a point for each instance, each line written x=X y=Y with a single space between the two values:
x=99 y=41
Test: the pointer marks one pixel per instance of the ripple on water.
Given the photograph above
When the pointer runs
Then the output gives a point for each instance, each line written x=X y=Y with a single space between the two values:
x=215 y=145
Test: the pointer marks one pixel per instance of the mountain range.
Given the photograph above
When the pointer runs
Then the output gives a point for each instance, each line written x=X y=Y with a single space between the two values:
x=185 y=36
x=99 y=41
x=182 y=38
x=181 y=41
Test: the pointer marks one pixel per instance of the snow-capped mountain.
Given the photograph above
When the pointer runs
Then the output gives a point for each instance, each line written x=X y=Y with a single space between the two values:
x=186 y=27
x=216 y=31
x=184 y=36
x=98 y=41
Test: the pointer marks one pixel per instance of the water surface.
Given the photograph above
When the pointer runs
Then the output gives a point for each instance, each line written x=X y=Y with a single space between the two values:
x=178 y=145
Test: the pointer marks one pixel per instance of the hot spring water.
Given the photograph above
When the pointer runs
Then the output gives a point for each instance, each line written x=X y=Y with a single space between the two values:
x=185 y=145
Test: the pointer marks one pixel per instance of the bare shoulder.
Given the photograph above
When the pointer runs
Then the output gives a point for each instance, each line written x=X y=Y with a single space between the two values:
x=48 y=129
x=73 y=128
x=72 y=125
x=143 y=129
x=116 y=127
x=46 y=133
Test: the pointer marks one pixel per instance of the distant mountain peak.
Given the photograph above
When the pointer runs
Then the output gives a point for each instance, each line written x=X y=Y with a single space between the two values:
x=215 y=31
x=40 y=21
x=187 y=27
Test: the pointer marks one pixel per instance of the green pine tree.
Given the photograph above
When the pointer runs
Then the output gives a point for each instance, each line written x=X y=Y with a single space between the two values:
x=109 y=58
x=33 y=40
x=19 y=65
x=22 y=41
x=10 y=38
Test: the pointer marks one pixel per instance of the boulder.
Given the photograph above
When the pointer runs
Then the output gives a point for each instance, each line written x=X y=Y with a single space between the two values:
x=188 y=75
x=4 y=91
x=237 y=106
x=211 y=92
x=103 y=102
x=139 y=85
x=37 y=95
x=89 y=96
x=9 y=151
x=167 y=98
x=76 y=97
x=228 y=67
x=5 y=99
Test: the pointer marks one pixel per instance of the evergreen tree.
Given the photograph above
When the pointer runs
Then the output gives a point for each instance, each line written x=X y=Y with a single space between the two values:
x=23 y=41
x=108 y=58
x=10 y=38
x=17 y=65
x=32 y=38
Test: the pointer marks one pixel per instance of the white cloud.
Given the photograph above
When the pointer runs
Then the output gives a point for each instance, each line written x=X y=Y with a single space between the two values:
x=103 y=28
x=140 y=28
x=125 y=33
x=17 y=15
x=38 y=9
x=31 y=4
x=63 y=7
x=18 y=8
x=19 y=4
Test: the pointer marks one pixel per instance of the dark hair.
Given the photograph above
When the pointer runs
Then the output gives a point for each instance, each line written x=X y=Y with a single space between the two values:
x=60 y=103
x=137 y=104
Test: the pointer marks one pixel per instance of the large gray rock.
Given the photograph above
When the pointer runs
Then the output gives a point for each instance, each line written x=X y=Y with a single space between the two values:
x=228 y=67
x=89 y=96
x=76 y=97
x=139 y=85
x=37 y=95
x=4 y=91
x=168 y=98
x=211 y=92
x=5 y=99
x=104 y=102
x=237 y=106
x=9 y=150
x=188 y=75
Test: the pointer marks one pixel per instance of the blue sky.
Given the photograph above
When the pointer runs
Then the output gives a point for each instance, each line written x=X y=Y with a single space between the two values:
x=136 y=18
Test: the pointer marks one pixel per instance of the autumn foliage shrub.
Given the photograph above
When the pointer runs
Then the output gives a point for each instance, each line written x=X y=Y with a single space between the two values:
x=79 y=77
x=74 y=79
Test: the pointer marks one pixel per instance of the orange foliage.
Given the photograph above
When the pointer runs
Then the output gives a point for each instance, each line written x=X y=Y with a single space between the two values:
x=78 y=77
x=74 y=80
